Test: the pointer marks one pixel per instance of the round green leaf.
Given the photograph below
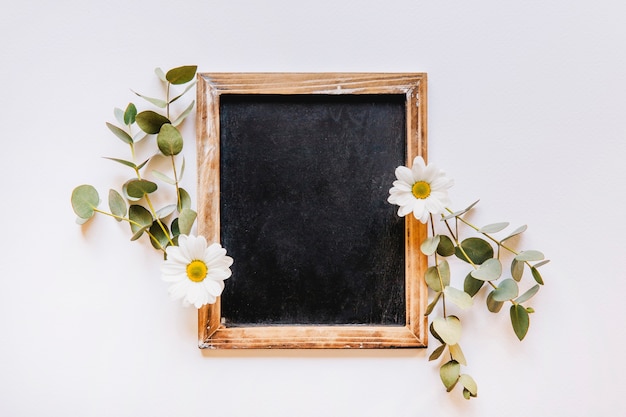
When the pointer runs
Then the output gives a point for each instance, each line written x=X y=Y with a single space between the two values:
x=446 y=246
x=493 y=305
x=489 y=270
x=429 y=246
x=519 y=320
x=185 y=221
x=184 y=200
x=85 y=200
x=477 y=249
x=527 y=295
x=117 y=205
x=162 y=238
x=181 y=75
x=493 y=227
x=507 y=290
x=141 y=219
x=517 y=269
x=449 y=374
x=139 y=188
x=150 y=121
x=169 y=140
x=458 y=297
x=449 y=329
x=472 y=285
x=432 y=279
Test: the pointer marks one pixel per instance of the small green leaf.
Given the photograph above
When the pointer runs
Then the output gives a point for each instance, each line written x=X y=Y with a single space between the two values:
x=162 y=238
x=519 y=320
x=181 y=117
x=174 y=227
x=181 y=75
x=528 y=294
x=117 y=205
x=184 y=200
x=121 y=134
x=530 y=255
x=516 y=232
x=130 y=114
x=143 y=164
x=536 y=275
x=85 y=200
x=159 y=73
x=449 y=329
x=469 y=384
x=141 y=220
x=458 y=297
x=542 y=263
x=493 y=227
x=460 y=212
x=185 y=221
x=434 y=333
x=165 y=211
x=139 y=188
x=189 y=87
x=472 y=285
x=517 y=269
x=169 y=140
x=444 y=272
x=433 y=303
x=429 y=246
x=457 y=354
x=156 y=101
x=446 y=246
x=477 y=249
x=432 y=279
x=489 y=270
x=507 y=290
x=123 y=162
x=493 y=305
x=151 y=122
x=449 y=373
x=119 y=115
x=161 y=176
x=437 y=353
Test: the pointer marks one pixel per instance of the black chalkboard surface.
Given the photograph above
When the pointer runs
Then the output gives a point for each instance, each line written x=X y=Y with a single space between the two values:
x=303 y=186
x=294 y=171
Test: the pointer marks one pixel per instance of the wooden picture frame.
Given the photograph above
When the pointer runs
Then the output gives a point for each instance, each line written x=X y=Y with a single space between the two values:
x=213 y=331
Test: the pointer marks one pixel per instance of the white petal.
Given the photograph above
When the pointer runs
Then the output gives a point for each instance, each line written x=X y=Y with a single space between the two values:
x=214 y=288
x=405 y=174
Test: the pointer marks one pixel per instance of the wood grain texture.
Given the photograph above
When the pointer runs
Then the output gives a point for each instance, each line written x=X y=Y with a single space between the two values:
x=211 y=332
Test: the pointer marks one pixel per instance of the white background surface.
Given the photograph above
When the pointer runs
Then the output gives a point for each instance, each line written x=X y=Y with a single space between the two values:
x=526 y=112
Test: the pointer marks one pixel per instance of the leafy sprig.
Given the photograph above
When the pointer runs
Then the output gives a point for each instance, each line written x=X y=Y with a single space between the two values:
x=483 y=254
x=134 y=204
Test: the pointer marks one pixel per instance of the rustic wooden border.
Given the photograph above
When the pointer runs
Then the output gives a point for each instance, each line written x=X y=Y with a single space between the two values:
x=211 y=332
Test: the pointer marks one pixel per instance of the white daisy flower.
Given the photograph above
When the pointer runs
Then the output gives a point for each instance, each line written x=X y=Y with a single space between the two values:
x=422 y=190
x=196 y=271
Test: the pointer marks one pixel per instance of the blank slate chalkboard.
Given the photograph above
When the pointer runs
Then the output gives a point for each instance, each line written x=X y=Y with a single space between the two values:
x=295 y=171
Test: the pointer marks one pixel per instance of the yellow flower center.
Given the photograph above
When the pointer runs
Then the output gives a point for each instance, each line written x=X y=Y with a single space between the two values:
x=421 y=190
x=196 y=271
